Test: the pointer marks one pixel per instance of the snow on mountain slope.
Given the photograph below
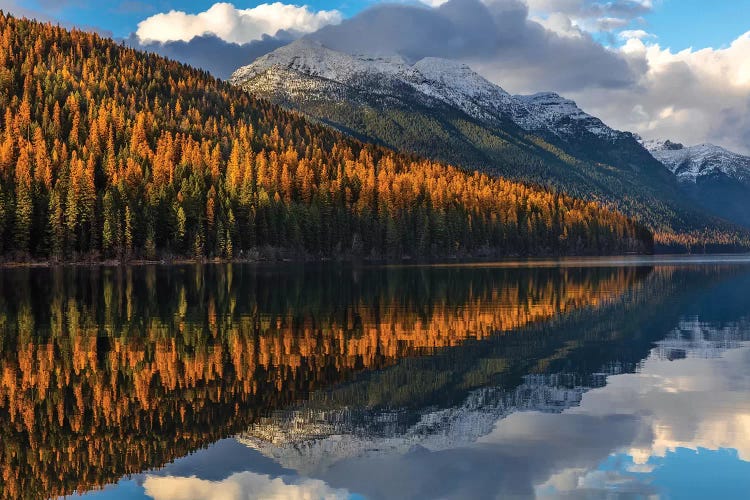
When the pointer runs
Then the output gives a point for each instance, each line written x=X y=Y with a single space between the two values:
x=307 y=66
x=694 y=163
x=312 y=59
x=551 y=111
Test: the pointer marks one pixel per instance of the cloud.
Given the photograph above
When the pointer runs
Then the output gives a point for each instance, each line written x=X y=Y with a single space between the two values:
x=593 y=15
x=234 y=25
x=213 y=54
x=242 y=485
x=664 y=394
x=560 y=24
x=496 y=38
x=637 y=34
x=525 y=450
x=691 y=96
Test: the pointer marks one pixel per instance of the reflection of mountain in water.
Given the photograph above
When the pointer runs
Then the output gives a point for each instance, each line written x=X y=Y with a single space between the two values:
x=308 y=440
x=693 y=338
x=107 y=372
x=355 y=422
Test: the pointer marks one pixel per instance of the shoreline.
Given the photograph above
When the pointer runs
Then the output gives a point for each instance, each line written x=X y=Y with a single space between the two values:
x=447 y=261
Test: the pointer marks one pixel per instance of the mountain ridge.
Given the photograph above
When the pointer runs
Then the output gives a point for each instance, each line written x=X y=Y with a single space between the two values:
x=690 y=163
x=712 y=176
x=450 y=81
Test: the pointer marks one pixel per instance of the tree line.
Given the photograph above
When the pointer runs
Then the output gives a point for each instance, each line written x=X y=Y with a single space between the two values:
x=108 y=152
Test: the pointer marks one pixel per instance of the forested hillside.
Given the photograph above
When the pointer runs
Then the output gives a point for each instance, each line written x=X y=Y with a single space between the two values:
x=108 y=152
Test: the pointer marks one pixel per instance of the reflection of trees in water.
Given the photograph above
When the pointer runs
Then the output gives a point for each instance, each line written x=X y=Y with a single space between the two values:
x=107 y=372
x=457 y=395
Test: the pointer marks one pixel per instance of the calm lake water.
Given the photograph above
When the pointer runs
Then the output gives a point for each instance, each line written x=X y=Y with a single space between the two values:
x=582 y=378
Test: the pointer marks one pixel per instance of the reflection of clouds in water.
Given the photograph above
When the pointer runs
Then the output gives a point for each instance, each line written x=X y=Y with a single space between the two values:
x=243 y=485
x=584 y=483
x=690 y=403
x=696 y=402
x=528 y=449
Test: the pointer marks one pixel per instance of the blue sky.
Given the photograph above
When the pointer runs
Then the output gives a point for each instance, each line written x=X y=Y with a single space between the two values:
x=681 y=24
x=678 y=24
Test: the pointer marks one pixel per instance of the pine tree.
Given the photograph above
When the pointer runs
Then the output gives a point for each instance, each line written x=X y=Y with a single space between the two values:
x=24 y=202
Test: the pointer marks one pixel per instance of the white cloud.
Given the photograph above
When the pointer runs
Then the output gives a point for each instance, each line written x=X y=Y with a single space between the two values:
x=560 y=24
x=592 y=15
x=691 y=96
x=664 y=395
x=434 y=3
x=637 y=34
x=234 y=25
x=240 y=486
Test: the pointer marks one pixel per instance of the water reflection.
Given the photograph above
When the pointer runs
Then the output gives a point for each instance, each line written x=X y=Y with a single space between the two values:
x=566 y=433
x=323 y=382
x=108 y=372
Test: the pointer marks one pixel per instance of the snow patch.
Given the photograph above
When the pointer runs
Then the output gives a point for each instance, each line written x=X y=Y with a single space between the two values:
x=692 y=163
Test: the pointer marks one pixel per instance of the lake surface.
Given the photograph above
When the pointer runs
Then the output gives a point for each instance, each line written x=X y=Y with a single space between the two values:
x=580 y=378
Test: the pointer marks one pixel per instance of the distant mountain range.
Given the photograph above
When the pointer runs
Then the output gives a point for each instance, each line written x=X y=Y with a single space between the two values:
x=443 y=110
x=717 y=179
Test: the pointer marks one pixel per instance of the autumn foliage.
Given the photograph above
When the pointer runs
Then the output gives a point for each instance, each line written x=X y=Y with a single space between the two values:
x=107 y=152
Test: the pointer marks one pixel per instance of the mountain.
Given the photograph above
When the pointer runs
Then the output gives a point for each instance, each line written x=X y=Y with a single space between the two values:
x=712 y=176
x=445 y=111
x=109 y=152
x=450 y=82
x=309 y=441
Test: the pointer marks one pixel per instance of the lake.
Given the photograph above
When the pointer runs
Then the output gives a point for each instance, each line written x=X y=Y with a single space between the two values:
x=576 y=378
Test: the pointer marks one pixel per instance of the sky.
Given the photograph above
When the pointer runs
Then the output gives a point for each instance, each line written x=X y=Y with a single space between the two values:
x=676 y=69
x=679 y=24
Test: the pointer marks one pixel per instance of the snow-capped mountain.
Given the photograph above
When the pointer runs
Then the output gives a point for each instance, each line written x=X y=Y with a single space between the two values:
x=312 y=440
x=306 y=70
x=548 y=110
x=693 y=164
x=715 y=178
